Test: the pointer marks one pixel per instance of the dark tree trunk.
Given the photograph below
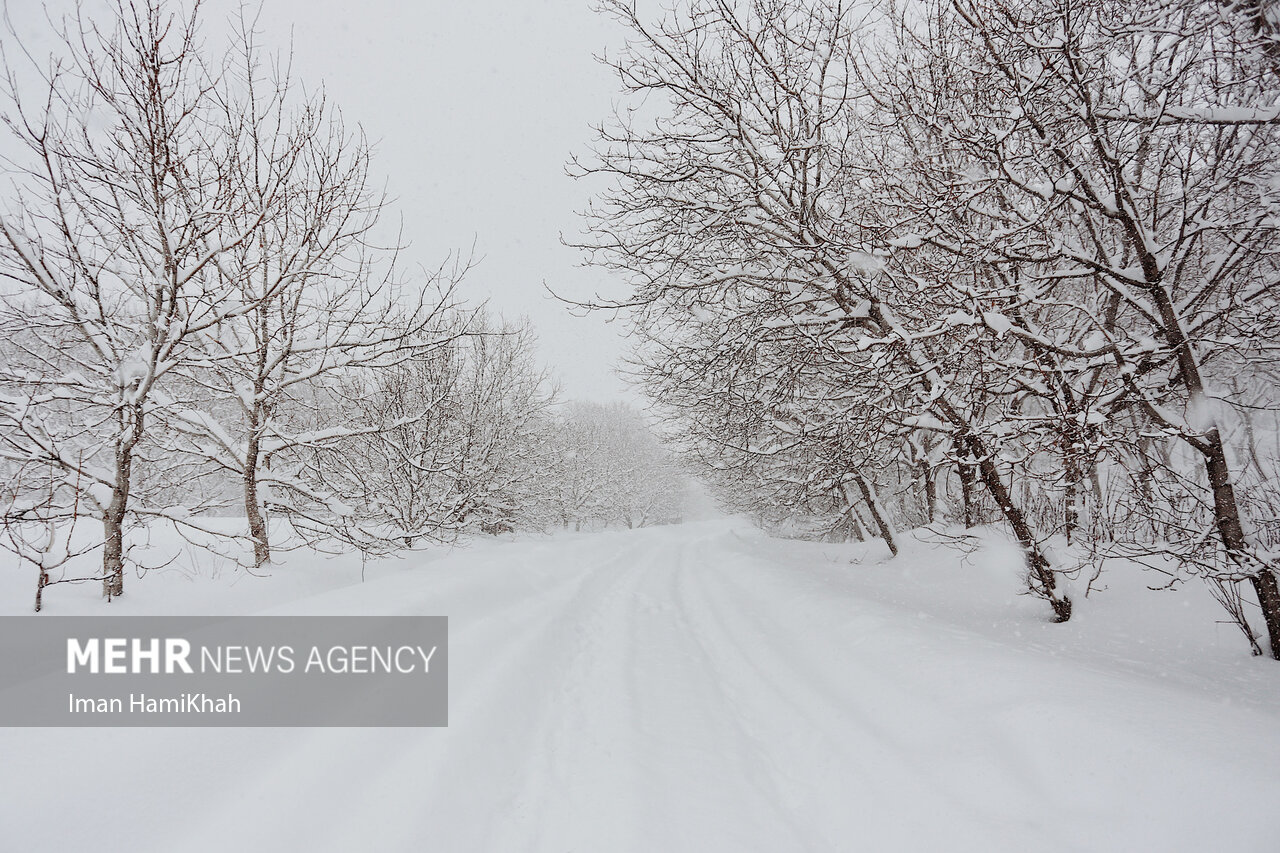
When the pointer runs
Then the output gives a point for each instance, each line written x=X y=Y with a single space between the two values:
x=967 y=497
x=1040 y=578
x=1264 y=585
x=130 y=422
x=873 y=505
x=1227 y=517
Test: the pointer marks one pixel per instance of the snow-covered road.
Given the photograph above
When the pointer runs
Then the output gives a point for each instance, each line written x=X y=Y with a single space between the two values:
x=692 y=688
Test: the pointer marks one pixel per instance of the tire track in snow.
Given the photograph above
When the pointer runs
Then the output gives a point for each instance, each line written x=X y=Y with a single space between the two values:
x=507 y=700
x=637 y=746
x=627 y=732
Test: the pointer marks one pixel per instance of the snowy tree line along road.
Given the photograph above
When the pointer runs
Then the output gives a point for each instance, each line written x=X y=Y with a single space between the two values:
x=205 y=314
x=900 y=264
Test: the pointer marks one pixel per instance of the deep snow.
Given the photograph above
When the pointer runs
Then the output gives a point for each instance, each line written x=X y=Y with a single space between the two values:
x=701 y=687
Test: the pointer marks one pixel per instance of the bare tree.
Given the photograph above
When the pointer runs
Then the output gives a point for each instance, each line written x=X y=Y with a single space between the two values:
x=118 y=213
x=448 y=442
x=326 y=298
x=195 y=249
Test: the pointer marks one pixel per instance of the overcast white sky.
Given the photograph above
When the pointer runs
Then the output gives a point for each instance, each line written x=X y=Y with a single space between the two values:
x=475 y=106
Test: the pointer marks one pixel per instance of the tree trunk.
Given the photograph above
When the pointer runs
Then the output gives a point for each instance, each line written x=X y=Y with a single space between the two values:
x=1226 y=513
x=1071 y=472
x=113 y=549
x=872 y=504
x=130 y=421
x=1040 y=578
x=257 y=526
x=252 y=508
x=1264 y=585
x=967 y=478
x=929 y=482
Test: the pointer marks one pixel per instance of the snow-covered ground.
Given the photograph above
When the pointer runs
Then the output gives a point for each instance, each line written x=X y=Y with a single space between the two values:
x=701 y=687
